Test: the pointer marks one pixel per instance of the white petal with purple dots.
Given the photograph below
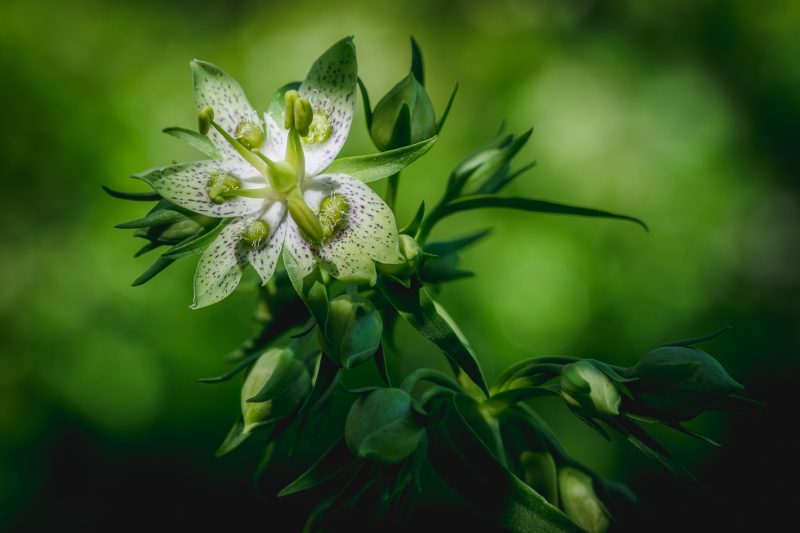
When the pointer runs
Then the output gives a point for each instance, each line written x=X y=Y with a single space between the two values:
x=220 y=267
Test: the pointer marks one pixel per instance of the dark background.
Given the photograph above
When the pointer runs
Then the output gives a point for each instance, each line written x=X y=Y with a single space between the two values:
x=684 y=113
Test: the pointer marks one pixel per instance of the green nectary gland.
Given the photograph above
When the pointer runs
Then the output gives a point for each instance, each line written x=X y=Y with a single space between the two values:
x=255 y=233
x=249 y=134
x=220 y=183
x=319 y=130
x=333 y=211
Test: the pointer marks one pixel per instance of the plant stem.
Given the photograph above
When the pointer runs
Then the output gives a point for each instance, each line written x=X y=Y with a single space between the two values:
x=391 y=190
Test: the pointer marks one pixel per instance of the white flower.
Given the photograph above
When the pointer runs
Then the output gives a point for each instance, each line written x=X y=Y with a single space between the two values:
x=270 y=181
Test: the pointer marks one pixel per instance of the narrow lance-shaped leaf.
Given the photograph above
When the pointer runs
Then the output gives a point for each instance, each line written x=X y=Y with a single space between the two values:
x=373 y=167
x=197 y=141
x=416 y=305
x=464 y=462
x=532 y=205
x=333 y=462
x=135 y=196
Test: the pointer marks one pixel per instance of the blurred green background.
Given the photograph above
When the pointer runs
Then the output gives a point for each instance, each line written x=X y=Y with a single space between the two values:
x=684 y=113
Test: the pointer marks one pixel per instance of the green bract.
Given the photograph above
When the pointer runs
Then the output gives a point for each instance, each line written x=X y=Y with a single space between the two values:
x=380 y=426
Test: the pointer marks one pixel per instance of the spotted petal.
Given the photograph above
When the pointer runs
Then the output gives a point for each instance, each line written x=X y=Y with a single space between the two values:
x=265 y=257
x=368 y=234
x=186 y=184
x=330 y=87
x=214 y=87
x=220 y=267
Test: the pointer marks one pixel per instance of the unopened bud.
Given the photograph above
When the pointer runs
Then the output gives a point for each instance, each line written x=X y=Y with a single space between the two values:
x=580 y=502
x=586 y=387
x=276 y=363
x=380 y=426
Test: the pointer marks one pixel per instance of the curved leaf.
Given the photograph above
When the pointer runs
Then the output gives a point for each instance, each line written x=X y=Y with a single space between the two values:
x=373 y=167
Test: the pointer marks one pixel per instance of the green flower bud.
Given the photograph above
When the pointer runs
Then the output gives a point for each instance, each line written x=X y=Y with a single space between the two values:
x=580 y=502
x=404 y=116
x=249 y=134
x=353 y=331
x=220 y=183
x=539 y=472
x=587 y=388
x=333 y=211
x=381 y=427
x=489 y=169
x=292 y=380
x=256 y=233
x=411 y=252
x=204 y=119
x=681 y=381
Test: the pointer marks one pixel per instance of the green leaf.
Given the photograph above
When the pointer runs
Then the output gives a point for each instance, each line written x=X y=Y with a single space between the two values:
x=365 y=98
x=417 y=64
x=233 y=371
x=135 y=196
x=413 y=226
x=336 y=460
x=154 y=218
x=482 y=201
x=446 y=112
x=195 y=245
x=456 y=245
x=416 y=305
x=698 y=340
x=236 y=436
x=195 y=140
x=154 y=269
x=464 y=462
x=373 y=167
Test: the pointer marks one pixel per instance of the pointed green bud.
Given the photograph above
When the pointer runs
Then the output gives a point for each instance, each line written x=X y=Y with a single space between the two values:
x=404 y=116
x=411 y=253
x=220 y=183
x=333 y=211
x=204 y=119
x=291 y=381
x=580 y=502
x=249 y=133
x=354 y=330
x=304 y=217
x=289 y=99
x=381 y=427
x=256 y=233
x=680 y=382
x=588 y=389
x=303 y=115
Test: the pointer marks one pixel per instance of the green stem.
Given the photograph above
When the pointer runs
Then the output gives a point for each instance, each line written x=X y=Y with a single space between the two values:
x=391 y=190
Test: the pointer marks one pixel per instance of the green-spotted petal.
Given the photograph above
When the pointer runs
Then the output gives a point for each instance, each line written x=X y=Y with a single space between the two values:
x=330 y=87
x=216 y=88
x=220 y=267
x=186 y=184
x=265 y=257
x=369 y=233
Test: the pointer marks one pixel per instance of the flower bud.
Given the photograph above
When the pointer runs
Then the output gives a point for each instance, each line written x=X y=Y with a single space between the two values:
x=411 y=253
x=489 y=169
x=293 y=383
x=587 y=388
x=404 y=116
x=680 y=381
x=580 y=502
x=380 y=426
x=353 y=331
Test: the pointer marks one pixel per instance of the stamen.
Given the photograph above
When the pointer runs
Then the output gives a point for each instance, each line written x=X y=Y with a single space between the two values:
x=303 y=115
x=205 y=119
x=220 y=183
x=255 y=233
x=333 y=211
x=289 y=98
x=304 y=217
x=249 y=134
